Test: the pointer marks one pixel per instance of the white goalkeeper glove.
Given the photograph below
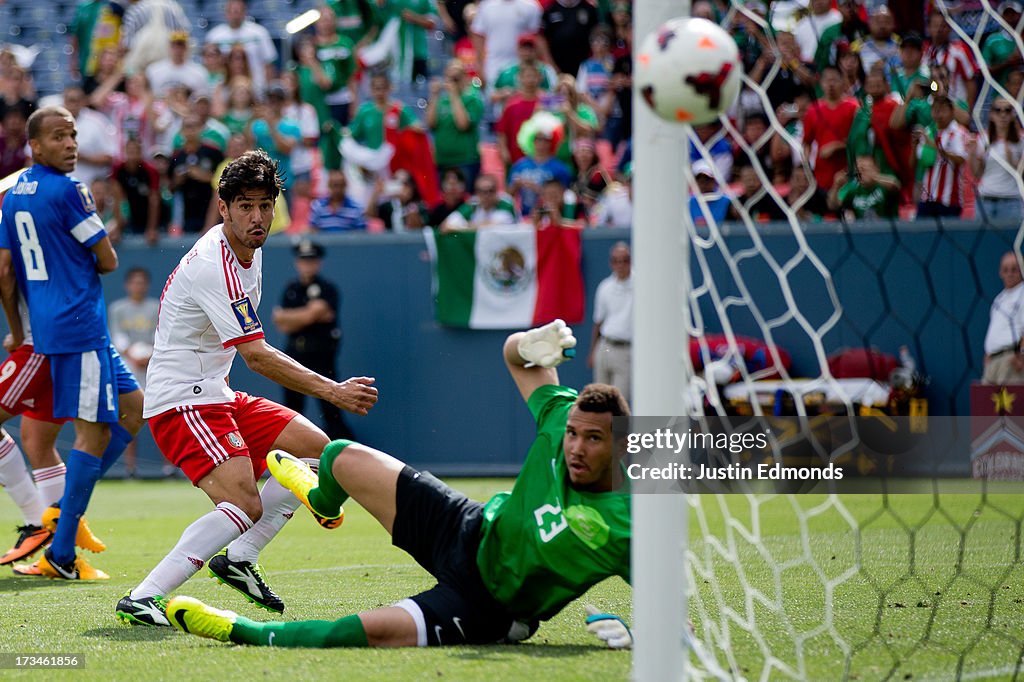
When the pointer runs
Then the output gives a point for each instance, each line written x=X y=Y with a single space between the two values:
x=609 y=628
x=547 y=346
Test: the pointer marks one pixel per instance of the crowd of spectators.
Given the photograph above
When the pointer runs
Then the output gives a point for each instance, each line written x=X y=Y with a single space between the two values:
x=862 y=110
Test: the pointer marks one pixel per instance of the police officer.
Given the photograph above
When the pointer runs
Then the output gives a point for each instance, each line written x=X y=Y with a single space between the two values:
x=308 y=314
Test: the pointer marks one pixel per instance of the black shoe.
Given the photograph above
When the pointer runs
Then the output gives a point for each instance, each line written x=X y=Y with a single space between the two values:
x=247 y=578
x=145 y=611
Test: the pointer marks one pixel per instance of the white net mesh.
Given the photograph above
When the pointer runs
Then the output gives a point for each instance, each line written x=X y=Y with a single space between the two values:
x=826 y=587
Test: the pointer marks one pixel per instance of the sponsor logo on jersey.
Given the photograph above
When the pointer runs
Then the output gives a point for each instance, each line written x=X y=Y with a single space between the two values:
x=235 y=440
x=246 y=314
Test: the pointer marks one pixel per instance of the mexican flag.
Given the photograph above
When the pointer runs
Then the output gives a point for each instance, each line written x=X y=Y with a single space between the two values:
x=508 y=277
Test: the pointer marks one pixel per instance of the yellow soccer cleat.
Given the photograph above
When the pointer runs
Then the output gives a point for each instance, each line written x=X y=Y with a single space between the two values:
x=196 y=618
x=84 y=538
x=296 y=476
x=79 y=569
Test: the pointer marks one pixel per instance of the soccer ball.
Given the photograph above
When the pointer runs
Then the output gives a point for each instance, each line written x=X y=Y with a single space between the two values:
x=689 y=71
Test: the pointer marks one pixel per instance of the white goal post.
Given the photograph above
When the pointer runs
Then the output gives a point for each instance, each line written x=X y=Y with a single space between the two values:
x=661 y=263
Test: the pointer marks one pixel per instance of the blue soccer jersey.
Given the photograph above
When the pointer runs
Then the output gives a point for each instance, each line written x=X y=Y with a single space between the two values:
x=49 y=224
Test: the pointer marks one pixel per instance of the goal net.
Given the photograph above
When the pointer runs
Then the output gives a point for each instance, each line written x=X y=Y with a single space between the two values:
x=802 y=306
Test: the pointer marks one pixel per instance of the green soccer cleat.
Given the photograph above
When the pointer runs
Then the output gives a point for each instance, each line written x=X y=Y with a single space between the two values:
x=196 y=618
x=144 y=611
x=296 y=476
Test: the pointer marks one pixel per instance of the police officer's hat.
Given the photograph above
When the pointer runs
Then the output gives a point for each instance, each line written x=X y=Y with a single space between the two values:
x=308 y=249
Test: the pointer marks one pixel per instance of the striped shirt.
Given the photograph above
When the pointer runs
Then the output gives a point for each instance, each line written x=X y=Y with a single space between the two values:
x=348 y=216
x=944 y=182
x=959 y=61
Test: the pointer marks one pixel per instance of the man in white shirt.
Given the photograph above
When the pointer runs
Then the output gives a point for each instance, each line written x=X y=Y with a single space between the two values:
x=612 y=337
x=259 y=47
x=1004 y=362
x=220 y=438
x=177 y=69
x=97 y=137
x=495 y=33
x=809 y=29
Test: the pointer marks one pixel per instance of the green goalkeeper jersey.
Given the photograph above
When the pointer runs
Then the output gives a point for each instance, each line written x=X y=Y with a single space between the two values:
x=545 y=544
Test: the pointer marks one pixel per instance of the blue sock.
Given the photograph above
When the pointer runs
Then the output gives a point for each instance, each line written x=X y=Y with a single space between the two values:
x=83 y=470
x=119 y=440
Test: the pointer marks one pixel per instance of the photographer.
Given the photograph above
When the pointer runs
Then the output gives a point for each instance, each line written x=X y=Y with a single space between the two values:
x=555 y=207
x=916 y=108
x=454 y=112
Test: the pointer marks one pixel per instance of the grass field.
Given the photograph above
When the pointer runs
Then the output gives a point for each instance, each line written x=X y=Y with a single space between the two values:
x=941 y=589
x=320 y=574
x=922 y=587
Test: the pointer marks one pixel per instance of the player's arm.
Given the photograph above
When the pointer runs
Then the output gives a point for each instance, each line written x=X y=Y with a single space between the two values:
x=106 y=257
x=9 y=297
x=531 y=356
x=357 y=394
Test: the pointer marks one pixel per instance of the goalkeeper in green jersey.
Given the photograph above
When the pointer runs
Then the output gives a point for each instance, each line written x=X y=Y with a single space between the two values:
x=501 y=567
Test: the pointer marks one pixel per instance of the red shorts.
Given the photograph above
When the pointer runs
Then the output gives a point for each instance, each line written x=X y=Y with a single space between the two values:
x=199 y=438
x=26 y=387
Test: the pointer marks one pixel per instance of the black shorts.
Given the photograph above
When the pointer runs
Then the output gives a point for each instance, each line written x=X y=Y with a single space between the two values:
x=440 y=528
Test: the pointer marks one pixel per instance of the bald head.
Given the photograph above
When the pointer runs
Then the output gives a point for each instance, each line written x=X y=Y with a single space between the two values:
x=1009 y=270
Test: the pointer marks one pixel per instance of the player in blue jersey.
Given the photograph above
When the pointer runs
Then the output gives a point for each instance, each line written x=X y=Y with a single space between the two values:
x=55 y=246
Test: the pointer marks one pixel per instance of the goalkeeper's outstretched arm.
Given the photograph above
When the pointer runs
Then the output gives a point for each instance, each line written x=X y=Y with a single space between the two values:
x=531 y=356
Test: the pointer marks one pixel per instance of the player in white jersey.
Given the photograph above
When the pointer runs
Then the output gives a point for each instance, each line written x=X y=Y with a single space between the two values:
x=219 y=437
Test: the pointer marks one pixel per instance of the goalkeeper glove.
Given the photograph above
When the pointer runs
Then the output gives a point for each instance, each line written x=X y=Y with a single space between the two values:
x=547 y=346
x=609 y=628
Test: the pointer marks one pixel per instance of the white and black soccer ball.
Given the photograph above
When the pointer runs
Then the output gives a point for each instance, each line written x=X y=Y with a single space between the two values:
x=689 y=71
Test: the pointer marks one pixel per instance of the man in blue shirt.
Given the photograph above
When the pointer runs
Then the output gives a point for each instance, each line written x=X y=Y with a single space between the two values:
x=529 y=173
x=53 y=247
x=337 y=212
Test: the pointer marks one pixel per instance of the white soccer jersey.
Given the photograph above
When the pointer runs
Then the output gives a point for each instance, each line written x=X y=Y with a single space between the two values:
x=208 y=306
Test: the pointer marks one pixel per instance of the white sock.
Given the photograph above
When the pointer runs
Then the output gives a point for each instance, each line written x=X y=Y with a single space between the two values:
x=200 y=541
x=278 y=507
x=50 y=482
x=15 y=478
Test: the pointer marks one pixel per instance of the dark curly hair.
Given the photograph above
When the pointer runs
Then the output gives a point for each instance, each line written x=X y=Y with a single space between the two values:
x=602 y=398
x=253 y=170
